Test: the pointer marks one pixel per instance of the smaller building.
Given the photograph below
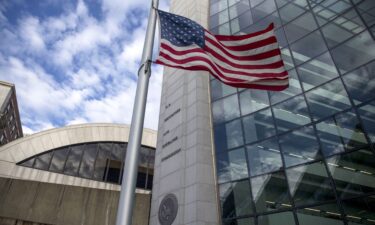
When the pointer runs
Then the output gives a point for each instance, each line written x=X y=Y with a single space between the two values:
x=10 y=123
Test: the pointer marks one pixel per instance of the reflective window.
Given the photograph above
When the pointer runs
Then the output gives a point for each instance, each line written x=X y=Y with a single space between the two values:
x=252 y=100
x=239 y=8
x=263 y=9
x=360 y=210
x=241 y=22
x=287 y=58
x=58 y=160
x=367 y=113
x=235 y=199
x=322 y=214
x=327 y=10
x=293 y=89
x=328 y=99
x=264 y=157
x=361 y=83
x=218 y=6
x=270 y=192
x=291 y=114
x=231 y=165
x=300 y=27
x=247 y=221
x=355 y=52
x=228 y=136
x=284 y=218
x=367 y=10
x=317 y=71
x=102 y=161
x=219 y=89
x=291 y=11
x=310 y=184
x=225 y=109
x=42 y=161
x=299 y=146
x=343 y=28
x=354 y=173
x=258 y=125
x=308 y=47
x=87 y=165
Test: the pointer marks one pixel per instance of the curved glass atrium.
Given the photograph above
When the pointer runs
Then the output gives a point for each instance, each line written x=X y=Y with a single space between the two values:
x=304 y=155
x=101 y=161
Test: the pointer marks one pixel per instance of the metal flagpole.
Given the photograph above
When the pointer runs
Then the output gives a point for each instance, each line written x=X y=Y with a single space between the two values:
x=129 y=178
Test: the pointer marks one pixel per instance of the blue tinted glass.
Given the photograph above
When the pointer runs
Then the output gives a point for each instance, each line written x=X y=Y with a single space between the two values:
x=367 y=113
x=225 y=109
x=258 y=125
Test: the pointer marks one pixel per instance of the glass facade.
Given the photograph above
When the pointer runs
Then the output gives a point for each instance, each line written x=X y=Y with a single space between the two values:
x=101 y=161
x=304 y=155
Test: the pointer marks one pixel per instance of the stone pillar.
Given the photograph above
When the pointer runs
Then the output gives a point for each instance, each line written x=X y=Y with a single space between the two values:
x=184 y=154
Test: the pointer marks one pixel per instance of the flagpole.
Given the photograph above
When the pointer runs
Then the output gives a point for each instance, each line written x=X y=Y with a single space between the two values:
x=129 y=178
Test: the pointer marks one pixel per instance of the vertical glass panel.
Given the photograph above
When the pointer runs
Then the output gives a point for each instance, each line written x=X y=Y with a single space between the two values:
x=299 y=146
x=247 y=221
x=264 y=157
x=300 y=27
x=228 y=136
x=343 y=28
x=225 y=109
x=310 y=184
x=287 y=58
x=102 y=161
x=290 y=12
x=244 y=20
x=317 y=71
x=235 y=199
x=74 y=159
x=29 y=162
x=308 y=47
x=223 y=168
x=224 y=29
x=293 y=89
x=258 y=125
x=234 y=26
x=218 y=6
x=87 y=165
x=367 y=113
x=118 y=151
x=354 y=173
x=330 y=137
x=239 y=8
x=291 y=114
x=284 y=218
x=219 y=89
x=58 y=160
x=361 y=83
x=263 y=23
x=253 y=100
x=237 y=164
x=328 y=99
x=263 y=9
x=367 y=10
x=280 y=36
x=42 y=161
x=270 y=192
x=351 y=130
x=323 y=214
x=355 y=52
x=360 y=210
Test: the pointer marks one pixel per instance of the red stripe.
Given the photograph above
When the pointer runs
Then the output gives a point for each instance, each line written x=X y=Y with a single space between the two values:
x=242 y=37
x=200 y=58
x=250 y=46
x=222 y=48
x=257 y=57
x=240 y=84
x=224 y=60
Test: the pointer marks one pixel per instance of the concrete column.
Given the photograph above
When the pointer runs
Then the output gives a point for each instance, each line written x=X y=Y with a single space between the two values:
x=184 y=155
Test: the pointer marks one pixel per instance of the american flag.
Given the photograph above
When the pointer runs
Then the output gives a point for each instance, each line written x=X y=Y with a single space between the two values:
x=245 y=61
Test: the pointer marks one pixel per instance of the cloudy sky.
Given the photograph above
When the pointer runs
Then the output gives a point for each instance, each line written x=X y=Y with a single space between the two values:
x=76 y=61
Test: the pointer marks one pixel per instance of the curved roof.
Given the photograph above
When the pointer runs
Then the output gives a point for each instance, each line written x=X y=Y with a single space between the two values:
x=37 y=143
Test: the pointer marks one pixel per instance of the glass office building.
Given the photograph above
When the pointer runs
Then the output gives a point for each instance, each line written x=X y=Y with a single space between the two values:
x=304 y=155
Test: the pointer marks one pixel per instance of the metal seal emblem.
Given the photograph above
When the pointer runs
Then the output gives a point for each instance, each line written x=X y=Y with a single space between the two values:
x=168 y=209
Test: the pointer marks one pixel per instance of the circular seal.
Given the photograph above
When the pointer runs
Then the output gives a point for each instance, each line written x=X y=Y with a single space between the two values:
x=168 y=209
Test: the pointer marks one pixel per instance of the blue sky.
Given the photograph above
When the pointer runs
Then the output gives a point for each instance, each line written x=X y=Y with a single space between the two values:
x=76 y=61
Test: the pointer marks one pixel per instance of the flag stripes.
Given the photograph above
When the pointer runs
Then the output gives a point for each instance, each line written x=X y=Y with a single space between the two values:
x=244 y=61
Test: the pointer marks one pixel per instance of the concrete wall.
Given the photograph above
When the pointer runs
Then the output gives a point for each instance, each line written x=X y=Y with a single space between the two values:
x=184 y=153
x=57 y=204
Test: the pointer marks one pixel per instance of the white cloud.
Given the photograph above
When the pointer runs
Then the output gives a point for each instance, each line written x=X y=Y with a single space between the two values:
x=81 y=69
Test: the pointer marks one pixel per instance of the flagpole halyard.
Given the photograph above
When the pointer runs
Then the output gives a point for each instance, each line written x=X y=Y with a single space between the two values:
x=129 y=178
